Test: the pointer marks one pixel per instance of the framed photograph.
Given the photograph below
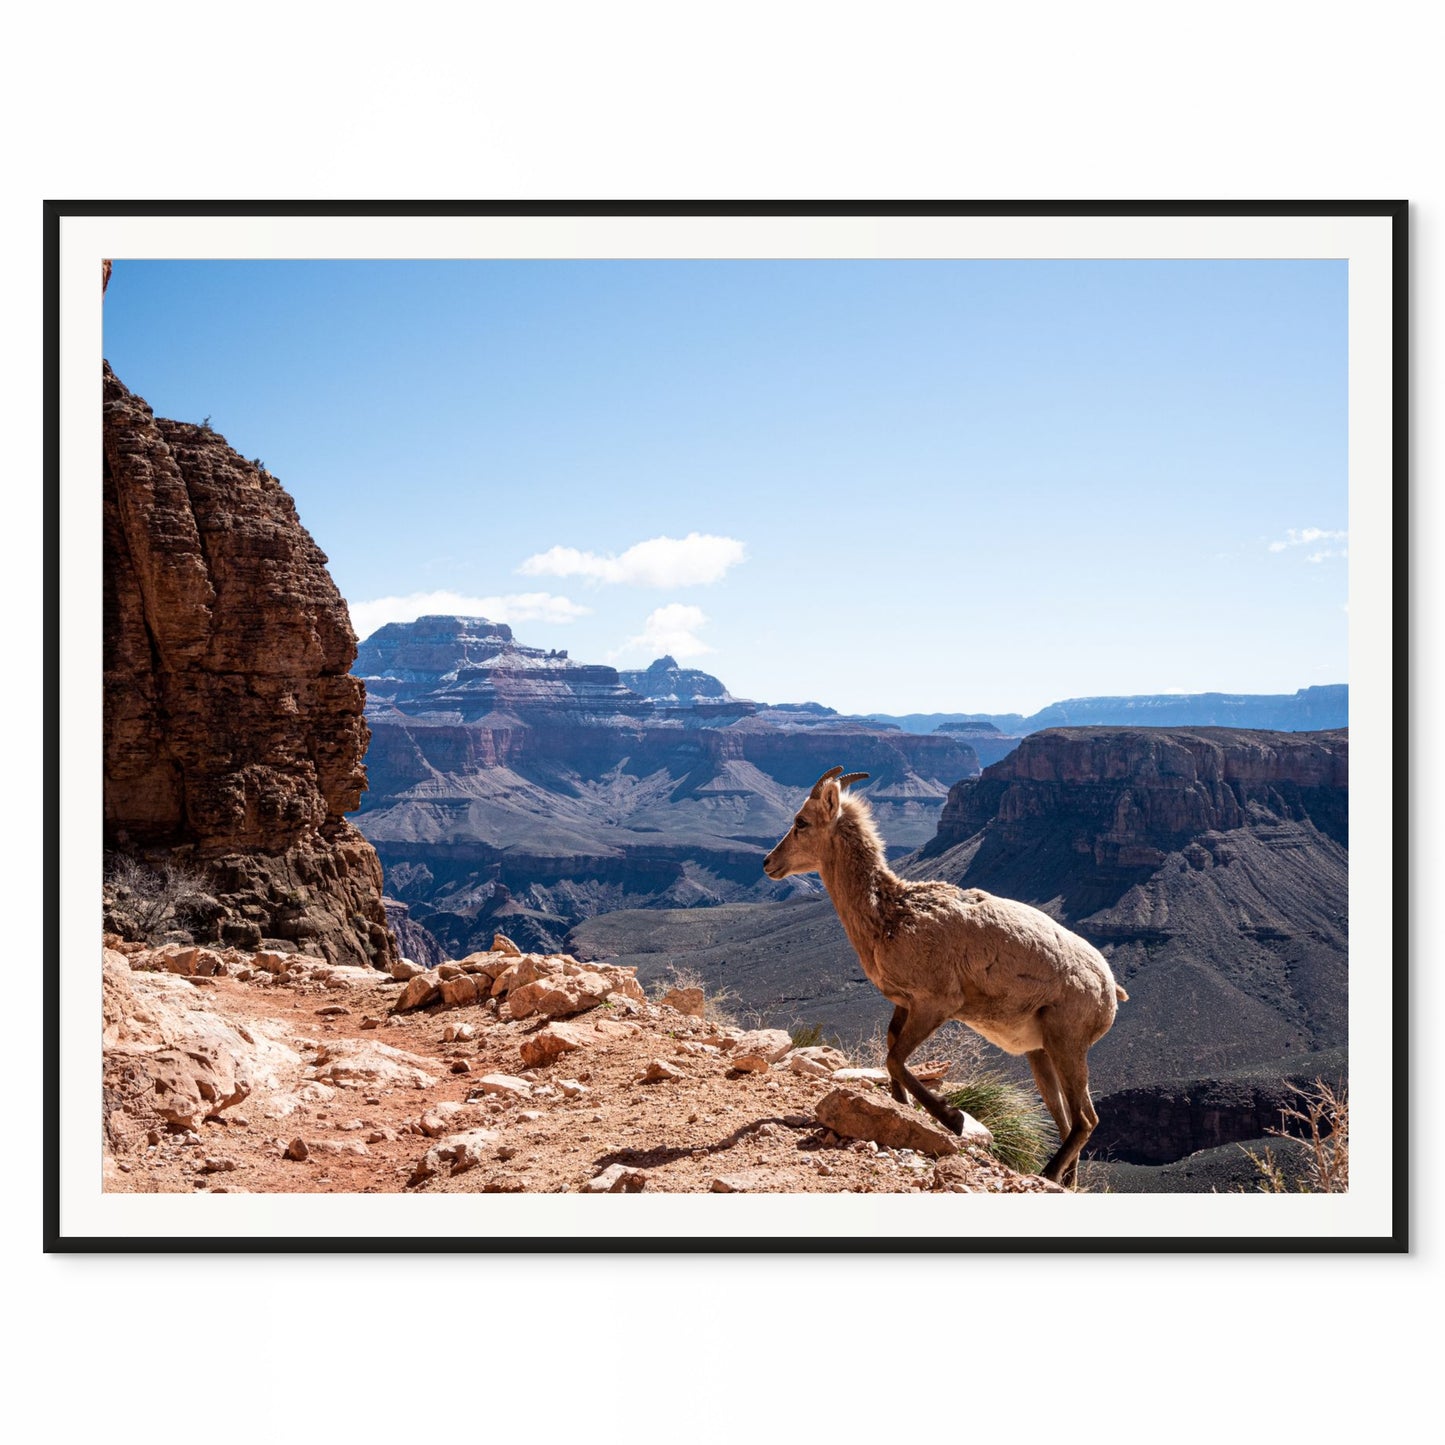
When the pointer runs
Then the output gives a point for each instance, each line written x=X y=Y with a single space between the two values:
x=842 y=726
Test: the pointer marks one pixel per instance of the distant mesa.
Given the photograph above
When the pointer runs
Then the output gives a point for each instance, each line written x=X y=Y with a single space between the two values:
x=1309 y=709
x=517 y=788
x=669 y=685
x=463 y=669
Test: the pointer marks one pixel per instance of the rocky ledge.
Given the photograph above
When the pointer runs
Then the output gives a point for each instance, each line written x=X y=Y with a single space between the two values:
x=231 y=1071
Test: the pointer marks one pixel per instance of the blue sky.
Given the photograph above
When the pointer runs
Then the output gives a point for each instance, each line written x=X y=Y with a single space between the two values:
x=887 y=486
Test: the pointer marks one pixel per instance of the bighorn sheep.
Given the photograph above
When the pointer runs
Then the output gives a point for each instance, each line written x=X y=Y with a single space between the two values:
x=938 y=952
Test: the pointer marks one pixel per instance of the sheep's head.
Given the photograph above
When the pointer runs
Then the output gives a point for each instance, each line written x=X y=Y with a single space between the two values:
x=802 y=847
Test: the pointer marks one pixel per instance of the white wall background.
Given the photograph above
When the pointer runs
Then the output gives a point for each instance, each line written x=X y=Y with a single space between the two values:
x=745 y=100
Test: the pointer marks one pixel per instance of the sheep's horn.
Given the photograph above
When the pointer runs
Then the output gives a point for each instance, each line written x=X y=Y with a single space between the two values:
x=851 y=778
x=831 y=773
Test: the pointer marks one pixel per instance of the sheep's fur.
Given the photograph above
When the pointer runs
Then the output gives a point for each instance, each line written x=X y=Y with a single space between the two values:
x=938 y=952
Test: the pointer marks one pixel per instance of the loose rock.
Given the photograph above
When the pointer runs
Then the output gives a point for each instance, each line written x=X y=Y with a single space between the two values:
x=690 y=1001
x=875 y=1117
x=617 y=1179
x=551 y=1043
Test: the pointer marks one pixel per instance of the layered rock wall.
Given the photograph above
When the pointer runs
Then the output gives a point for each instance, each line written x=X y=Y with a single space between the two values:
x=1128 y=795
x=233 y=735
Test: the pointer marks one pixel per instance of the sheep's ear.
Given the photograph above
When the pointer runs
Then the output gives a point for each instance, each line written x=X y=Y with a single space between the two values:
x=830 y=800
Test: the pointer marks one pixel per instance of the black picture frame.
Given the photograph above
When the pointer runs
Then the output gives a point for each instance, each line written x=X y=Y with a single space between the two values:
x=68 y=949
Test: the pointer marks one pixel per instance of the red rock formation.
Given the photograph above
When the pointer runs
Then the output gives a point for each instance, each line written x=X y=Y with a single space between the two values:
x=234 y=735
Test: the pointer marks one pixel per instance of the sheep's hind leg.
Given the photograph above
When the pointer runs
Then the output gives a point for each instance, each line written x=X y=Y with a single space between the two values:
x=1072 y=1066
x=916 y=1027
x=1047 y=1080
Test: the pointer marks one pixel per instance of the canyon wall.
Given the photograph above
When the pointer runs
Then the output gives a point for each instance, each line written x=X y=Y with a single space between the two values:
x=233 y=731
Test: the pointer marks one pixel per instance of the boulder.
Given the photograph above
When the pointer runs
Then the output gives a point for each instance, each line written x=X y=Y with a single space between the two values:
x=767 y=1044
x=502 y=944
x=856 y=1114
x=440 y=1118
x=825 y=1055
x=616 y=1179
x=559 y=996
x=171 y=958
x=508 y=1086
x=421 y=989
x=690 y=1001
x=348 y=1147
x=748 y=1063
x=459 y=990
x=659 y=1071
x=194 y=1083
x=352 y=1063
x=184 y=1063
x=622 y=980
x=809 y=1068
x=551 y=1043
x=487 y=964
x=405 y=969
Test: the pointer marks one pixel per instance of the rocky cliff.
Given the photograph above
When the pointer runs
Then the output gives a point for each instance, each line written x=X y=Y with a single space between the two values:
x=233 y=732
x=1128 y=795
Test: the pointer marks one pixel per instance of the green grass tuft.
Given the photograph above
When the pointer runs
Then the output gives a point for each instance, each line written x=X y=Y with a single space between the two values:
x=1023 y=1133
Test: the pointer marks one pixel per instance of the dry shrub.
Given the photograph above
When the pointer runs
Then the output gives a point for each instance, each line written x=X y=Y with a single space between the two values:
x=153 y=897
x=1322 y=1117
x=717 y=1007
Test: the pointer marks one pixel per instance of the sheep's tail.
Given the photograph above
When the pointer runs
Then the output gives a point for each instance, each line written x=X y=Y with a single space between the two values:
x=1122 y=996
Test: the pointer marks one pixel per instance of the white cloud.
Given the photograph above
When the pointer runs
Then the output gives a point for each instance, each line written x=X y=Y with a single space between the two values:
x=1303 y=537
x=366 y=617
x=690 y=561
x=671 y=629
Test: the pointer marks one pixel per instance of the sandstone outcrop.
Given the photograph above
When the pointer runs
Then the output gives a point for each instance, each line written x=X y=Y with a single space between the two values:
x=163 y=1058
x=233 y=730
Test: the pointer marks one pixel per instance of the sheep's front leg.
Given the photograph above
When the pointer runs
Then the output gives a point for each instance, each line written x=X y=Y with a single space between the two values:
x=917 y=1025
x=900 y=1017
